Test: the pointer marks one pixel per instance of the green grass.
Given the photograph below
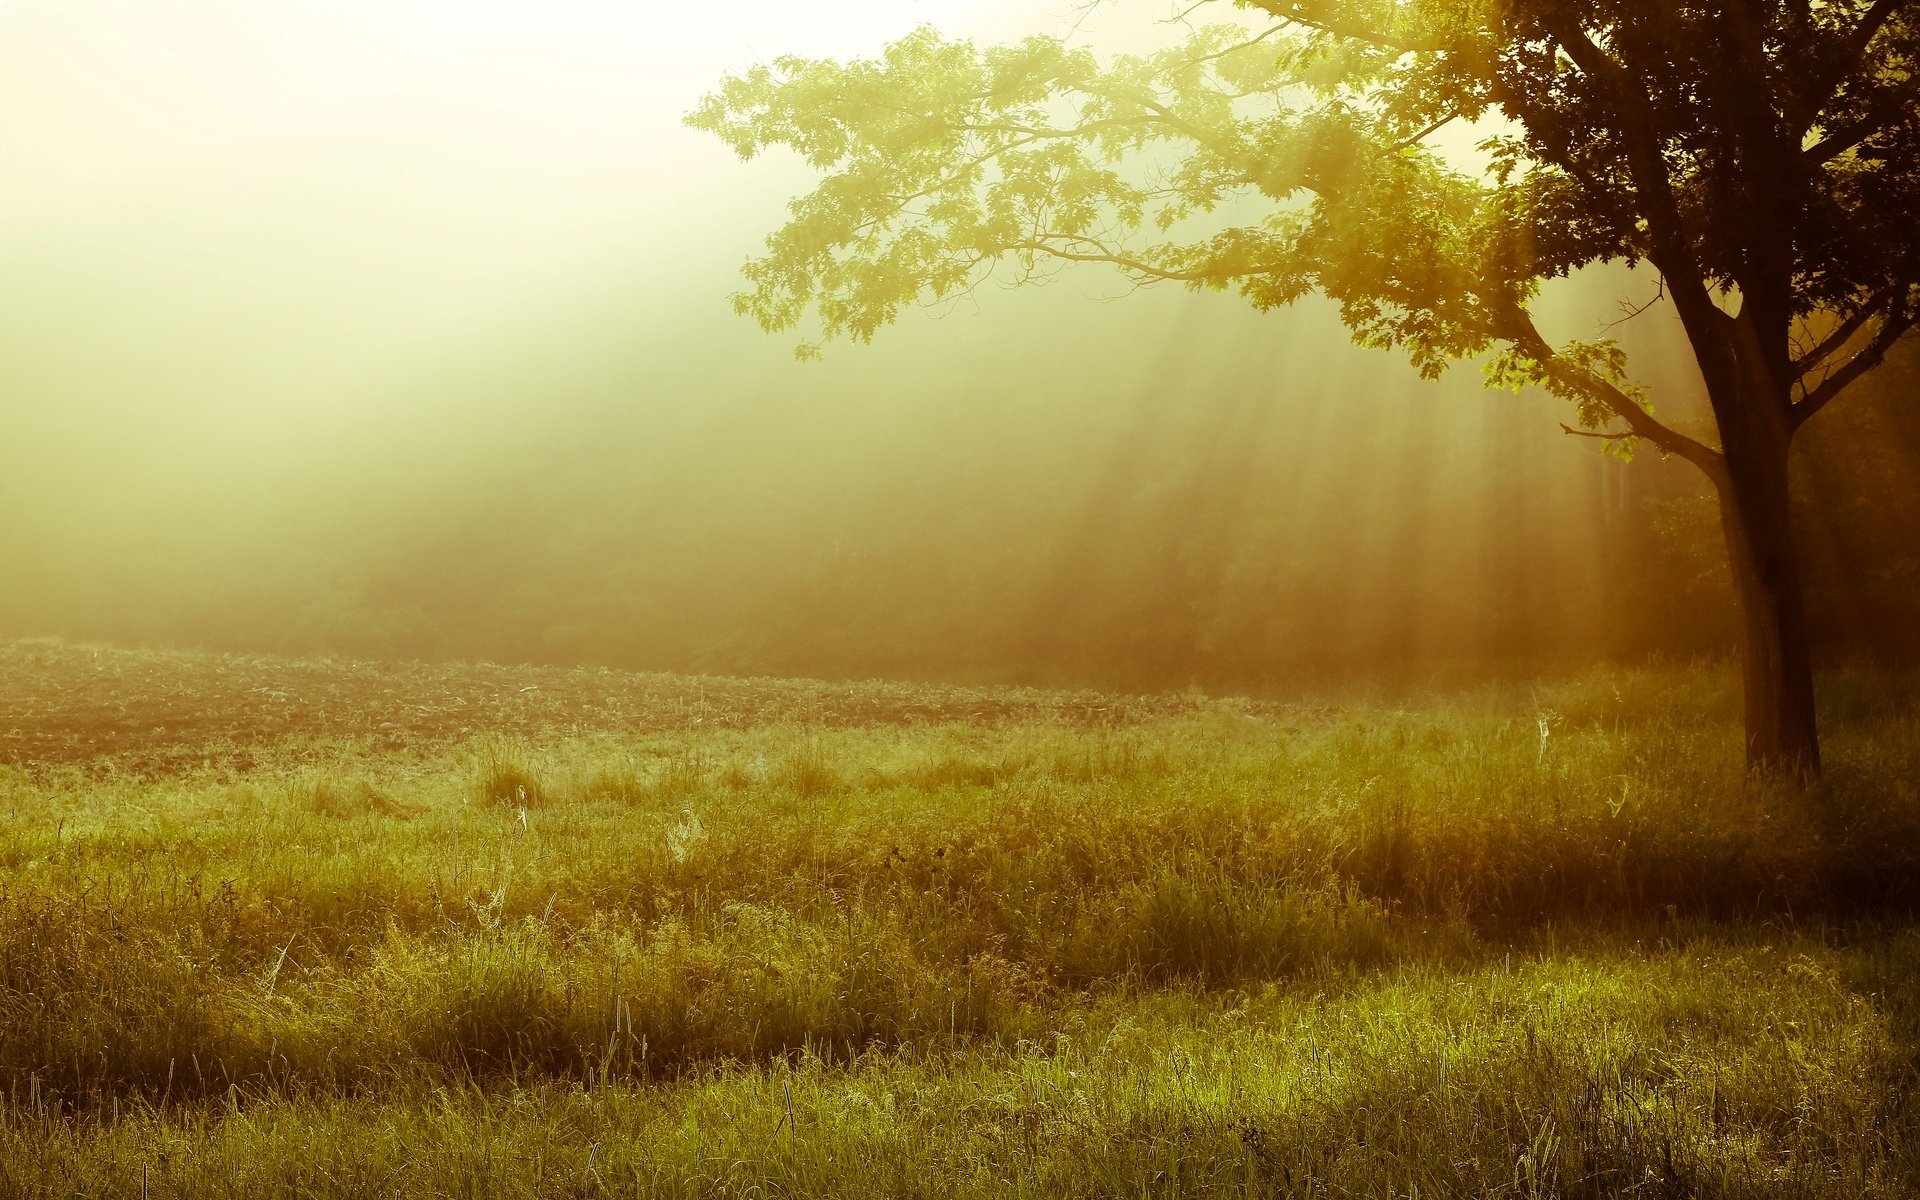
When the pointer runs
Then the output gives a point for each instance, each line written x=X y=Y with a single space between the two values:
x=1518 y=941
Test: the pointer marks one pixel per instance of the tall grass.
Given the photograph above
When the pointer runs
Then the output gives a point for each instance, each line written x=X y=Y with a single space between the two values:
x=547 y=945
x=1734 y=1068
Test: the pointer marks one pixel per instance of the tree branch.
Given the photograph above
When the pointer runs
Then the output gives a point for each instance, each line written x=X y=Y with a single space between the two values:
x=1626 y=435
x=1516 y=327
x=1898 y=322
x=1669 y=248
x=1074 y=248
x=1844 y=332
x=1407 y=143
x=1887 y=108
x=1629 y=311
x=1313 y=16
x=1854 y=48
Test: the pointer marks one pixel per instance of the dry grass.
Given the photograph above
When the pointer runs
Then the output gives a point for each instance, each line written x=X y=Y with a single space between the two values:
x=1520 y=941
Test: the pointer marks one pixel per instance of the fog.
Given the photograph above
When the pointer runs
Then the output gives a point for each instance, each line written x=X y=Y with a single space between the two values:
x=401 y=330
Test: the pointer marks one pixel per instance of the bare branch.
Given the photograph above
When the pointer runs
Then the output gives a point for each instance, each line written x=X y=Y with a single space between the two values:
x=1898 y=322
x=1876 y=305
x=1634 y=310
x=1626 y=435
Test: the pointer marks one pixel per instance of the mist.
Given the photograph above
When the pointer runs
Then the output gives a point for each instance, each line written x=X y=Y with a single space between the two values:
x=611 y=599
x=403 y=332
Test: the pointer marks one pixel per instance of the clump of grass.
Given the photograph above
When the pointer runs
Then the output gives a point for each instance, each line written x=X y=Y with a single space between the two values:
x=951 y=768
x=807 y=771
x=503 y=775
x=680 y=776
x=1102 y=756
x=1194 y=921
x=622 y=783
x=660 y=779
x=344 y=799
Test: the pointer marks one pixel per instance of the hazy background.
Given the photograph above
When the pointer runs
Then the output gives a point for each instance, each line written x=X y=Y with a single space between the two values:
x=400 y=329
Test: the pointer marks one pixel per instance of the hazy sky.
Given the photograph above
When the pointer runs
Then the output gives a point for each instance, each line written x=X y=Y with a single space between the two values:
x=302 y=198
x=236 y=231
x=293 y=291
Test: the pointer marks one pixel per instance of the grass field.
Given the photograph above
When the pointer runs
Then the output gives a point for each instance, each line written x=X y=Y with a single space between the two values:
x=276 y=928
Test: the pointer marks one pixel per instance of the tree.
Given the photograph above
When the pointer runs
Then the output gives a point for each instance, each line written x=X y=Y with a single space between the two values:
x=1761 y=156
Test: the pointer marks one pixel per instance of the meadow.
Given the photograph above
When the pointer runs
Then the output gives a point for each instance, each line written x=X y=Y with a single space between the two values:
x=308 y=928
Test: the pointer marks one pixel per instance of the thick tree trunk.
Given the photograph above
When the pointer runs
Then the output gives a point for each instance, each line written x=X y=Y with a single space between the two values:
x=1782 y=737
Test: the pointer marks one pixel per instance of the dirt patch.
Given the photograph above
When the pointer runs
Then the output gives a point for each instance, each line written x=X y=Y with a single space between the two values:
x=163 y=711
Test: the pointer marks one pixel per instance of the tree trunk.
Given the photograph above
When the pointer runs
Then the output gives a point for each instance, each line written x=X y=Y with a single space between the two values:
x=1775 y=652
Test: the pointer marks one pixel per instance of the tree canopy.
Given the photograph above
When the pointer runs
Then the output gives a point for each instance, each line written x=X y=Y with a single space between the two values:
x=1762 y=155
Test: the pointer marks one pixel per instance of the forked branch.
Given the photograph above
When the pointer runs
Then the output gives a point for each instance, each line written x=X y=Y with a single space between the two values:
x=1899 y=321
